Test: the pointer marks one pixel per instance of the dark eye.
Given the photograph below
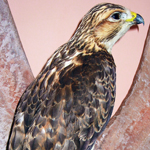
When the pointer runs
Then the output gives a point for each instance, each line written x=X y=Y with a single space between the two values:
x=116 y=16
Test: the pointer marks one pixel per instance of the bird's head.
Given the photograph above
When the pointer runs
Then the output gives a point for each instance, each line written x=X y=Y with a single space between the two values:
x=104 y=25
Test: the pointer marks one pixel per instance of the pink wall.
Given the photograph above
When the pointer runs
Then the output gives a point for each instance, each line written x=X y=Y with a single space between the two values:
x=45 y=25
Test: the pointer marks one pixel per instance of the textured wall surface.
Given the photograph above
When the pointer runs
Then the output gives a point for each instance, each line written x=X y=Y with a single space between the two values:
x=15 y=73
x=129 y=128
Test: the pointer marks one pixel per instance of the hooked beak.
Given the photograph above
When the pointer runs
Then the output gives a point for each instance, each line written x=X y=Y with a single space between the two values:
x=139 y=19
x=136 y=19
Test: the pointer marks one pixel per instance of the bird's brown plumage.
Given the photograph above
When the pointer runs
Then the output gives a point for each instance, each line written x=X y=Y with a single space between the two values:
x=70 y=102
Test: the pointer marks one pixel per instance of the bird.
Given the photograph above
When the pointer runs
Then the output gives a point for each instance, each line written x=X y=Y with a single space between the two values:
x=70 y=102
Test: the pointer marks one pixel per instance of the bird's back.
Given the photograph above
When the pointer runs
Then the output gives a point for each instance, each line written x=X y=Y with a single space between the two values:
x=69 y=103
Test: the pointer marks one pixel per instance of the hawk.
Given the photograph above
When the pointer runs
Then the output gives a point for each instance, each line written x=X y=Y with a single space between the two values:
x=70 y=102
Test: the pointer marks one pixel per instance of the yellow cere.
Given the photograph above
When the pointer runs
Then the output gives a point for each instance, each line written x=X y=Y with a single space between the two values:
x=133 y=16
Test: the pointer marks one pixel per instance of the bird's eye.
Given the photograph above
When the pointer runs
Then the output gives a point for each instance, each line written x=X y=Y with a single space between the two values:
x=116 y=16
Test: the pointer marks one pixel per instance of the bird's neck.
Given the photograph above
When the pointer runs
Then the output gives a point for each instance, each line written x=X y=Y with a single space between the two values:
x=87 y=44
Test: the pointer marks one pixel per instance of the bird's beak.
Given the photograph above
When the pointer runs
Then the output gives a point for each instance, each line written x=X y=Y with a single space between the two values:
x=136 y=18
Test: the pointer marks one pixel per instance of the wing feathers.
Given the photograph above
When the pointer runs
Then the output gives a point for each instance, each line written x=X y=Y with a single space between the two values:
x=66 y=108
